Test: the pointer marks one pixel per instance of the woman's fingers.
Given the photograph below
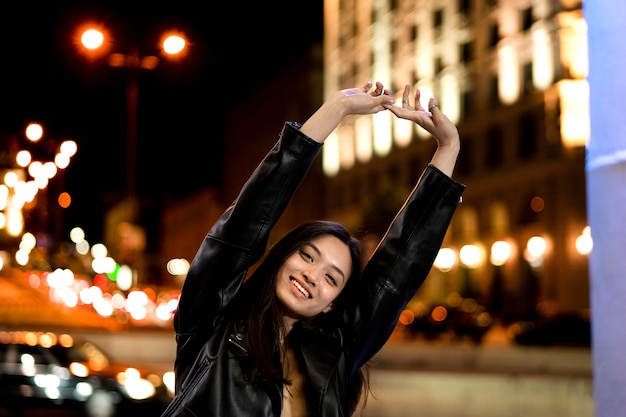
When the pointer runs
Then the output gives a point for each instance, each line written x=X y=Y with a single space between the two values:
x=432 y=104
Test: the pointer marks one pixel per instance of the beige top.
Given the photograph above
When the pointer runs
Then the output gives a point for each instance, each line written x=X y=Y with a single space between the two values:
x=294 y=400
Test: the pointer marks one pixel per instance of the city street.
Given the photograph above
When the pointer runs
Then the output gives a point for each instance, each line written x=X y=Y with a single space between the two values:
x=409 y=376
x=413 y=378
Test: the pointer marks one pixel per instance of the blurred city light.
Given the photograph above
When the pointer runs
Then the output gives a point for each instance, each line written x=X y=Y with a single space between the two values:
x=584 y=242
x=535 y=249
x=500 y=252
x=470 y=256
x=174 y=44
x=445 y=260
x=34 y=132
x=92 y=39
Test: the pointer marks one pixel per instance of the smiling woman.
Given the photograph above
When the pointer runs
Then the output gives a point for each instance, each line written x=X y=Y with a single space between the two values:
x=293 y=338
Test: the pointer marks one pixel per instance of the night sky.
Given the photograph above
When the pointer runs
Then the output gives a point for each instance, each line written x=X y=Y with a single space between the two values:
x=233 y=48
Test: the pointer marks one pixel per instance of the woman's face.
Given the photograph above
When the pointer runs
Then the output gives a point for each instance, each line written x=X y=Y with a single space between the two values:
x=311 y=278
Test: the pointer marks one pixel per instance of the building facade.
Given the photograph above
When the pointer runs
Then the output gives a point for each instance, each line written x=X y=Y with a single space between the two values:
x=512 y=75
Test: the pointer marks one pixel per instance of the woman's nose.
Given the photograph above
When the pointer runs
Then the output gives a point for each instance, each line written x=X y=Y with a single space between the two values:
x=309 y=277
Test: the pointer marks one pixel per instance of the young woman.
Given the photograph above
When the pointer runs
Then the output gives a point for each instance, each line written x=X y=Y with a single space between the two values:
x=293 y=338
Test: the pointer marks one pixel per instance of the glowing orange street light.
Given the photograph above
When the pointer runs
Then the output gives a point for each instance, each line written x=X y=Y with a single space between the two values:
x=96 y=42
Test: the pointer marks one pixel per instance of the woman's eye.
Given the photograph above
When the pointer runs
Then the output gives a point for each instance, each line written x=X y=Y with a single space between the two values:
x=331 y=279
x=305 y=255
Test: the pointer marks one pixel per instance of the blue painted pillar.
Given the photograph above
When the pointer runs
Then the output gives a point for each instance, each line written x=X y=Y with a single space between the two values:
x=606 y=201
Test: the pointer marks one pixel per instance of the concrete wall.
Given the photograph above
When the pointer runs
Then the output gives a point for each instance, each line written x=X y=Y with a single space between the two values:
x=447 y=394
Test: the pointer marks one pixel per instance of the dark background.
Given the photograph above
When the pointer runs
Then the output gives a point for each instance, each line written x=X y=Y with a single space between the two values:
x=233 y=48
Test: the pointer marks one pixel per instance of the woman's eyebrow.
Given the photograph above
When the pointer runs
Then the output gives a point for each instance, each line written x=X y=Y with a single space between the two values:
x=319 y=253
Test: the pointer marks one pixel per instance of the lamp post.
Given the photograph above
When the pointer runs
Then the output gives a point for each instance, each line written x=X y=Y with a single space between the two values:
x=444 y=262
x=500 y=254
x=96 y=42
x=129 y=236
x=534 y=254
x=470 y=257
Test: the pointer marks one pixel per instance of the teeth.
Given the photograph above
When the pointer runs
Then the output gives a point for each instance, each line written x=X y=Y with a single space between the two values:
x=301 y=288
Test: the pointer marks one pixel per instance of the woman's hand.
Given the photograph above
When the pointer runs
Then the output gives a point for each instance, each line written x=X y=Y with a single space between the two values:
x=363 y=100
x=434 y=122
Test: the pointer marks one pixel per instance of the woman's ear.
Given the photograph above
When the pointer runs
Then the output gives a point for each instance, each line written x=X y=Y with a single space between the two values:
x=328 y=308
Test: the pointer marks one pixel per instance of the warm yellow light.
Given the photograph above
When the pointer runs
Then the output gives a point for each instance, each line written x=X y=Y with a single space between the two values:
x=61 y=161
x=330 y=159
x=575 y=121
x=77 y=235
x=99 y=250
x=573 y=44
x=584 y=242
x=500 y=252
x=79 y=369
x=445 y=260
x=68 y=148
x=177 y=266
x=11 y=179
x=543 y=57
x=536 y=246
x=21 y=257
x=403 y=130
x=450 y=97
x=426 y=92
x=174 y=44
x=346 y=147
x=125 y=277
x=36 y=169
x=49 y=169
x=363 y=139
x=508 y=75
x=92 y=39
x=23 y=158
x=382 y=133
x=34 y=132
x=470 y=256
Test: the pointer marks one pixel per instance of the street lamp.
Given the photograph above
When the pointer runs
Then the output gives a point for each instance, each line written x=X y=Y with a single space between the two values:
x=96 y=42
x=444 y=262
x=471 y=257
x=584 y=242
x=501 y=251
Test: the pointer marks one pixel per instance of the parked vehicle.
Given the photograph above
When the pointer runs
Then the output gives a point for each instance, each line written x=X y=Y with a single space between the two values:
x=57 y=371
x=565 y=329
x=459 y=319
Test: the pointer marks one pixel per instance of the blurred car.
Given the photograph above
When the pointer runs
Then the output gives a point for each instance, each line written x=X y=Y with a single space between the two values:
x=565 y=329
x=57 y=371
x=459 y=318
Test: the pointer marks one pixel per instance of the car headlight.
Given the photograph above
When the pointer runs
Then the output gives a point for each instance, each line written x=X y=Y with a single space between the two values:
x=83 y=391
x=136 y=387
x=139 y=389
x=168 y=380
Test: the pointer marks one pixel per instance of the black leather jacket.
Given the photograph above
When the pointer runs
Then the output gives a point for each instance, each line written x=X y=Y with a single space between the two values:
x=209 y=376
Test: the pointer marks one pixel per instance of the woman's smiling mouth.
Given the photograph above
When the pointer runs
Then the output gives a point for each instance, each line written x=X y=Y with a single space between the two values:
x=301 y=288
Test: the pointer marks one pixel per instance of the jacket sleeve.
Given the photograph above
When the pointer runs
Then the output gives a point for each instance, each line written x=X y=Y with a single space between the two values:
x=402 y=261
x=239 y=237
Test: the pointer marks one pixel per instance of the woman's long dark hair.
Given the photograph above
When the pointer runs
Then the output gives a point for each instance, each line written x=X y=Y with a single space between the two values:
x=262 y=316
